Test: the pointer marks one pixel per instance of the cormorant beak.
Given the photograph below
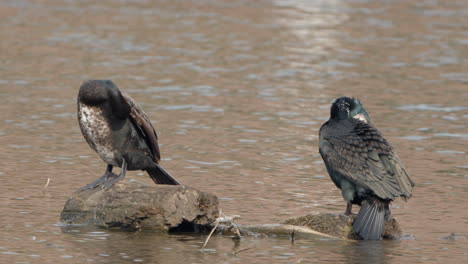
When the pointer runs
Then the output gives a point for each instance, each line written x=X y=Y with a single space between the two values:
x=361 y=117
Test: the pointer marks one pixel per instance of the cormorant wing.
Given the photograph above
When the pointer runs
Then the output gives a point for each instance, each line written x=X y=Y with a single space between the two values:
x=364 y=157
x=142 y=121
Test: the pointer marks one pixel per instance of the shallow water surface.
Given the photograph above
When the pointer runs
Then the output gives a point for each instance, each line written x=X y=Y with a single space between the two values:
x=237 y=91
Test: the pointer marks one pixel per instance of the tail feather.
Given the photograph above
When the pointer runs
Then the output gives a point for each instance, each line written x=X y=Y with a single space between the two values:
x=369 y=222
x=160 y=176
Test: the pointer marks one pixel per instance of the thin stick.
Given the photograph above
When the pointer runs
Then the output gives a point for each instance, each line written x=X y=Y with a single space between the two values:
x=241 y=250
x=284 y=230
x=211 y=233
x=292 y=237
x=47 y=184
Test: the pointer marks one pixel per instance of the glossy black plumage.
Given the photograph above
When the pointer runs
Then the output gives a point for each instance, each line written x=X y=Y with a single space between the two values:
x=363 y=165
x=120 y=132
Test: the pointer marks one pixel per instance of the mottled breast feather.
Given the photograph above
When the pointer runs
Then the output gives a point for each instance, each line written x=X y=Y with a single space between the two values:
x=365 y=158
x=142 y=122
x=96 y=131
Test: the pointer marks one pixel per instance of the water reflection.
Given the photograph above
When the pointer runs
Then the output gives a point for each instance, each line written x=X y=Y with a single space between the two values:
x=314 y=27
x=366 y=252
x=237 y=92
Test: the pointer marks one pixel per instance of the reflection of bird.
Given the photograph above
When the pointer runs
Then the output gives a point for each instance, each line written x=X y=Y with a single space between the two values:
x=120 y=132
x=363 y=165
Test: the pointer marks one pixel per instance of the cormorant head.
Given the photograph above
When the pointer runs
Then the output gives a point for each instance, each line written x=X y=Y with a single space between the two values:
x=104 y=93
x=96 y=92
x=347 y=108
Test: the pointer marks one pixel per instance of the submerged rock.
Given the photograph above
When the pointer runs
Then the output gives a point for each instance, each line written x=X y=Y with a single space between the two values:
x=132 y=205
x=339 y=225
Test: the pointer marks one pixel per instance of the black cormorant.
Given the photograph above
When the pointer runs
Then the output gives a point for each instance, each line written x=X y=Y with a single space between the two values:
x=120 y=132
x=363 y=165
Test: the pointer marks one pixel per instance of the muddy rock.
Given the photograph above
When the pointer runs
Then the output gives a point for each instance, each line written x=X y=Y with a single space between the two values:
x=340 y=226
x=132 y=205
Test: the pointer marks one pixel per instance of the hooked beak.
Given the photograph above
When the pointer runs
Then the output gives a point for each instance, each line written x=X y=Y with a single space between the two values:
x=361 y=117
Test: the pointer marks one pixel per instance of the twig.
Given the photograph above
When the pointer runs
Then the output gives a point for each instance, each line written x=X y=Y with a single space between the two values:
x=47 y=184
x=284 y=229
x=211 y=233
x=222 y=219
x=240 y=250
x=292 y=237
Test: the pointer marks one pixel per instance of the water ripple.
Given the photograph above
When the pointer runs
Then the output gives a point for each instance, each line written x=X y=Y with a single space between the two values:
x=195 y=108
x=432 y=107
x=451 y=135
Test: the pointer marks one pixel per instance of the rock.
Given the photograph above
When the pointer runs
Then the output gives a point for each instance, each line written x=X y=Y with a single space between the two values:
x=339 y=225
x=131 y=205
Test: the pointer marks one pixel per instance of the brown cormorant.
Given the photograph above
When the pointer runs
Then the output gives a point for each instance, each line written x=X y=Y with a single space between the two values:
x=120 y=132
x=363 y=165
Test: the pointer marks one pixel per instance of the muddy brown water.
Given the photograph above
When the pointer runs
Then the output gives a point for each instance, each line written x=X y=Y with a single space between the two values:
x=237 y=91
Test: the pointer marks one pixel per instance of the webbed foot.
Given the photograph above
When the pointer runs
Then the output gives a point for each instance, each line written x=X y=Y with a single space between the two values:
x=104 y=178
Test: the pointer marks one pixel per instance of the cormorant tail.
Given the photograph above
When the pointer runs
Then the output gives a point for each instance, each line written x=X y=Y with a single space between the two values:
x=369 y=222
x=160 y=176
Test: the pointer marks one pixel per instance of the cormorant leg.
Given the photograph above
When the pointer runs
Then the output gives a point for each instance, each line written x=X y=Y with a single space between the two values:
x=113 y=180
x=108 y=173
x=109 y=168
x=388 y=215
x=124 y=169
x=349 y=207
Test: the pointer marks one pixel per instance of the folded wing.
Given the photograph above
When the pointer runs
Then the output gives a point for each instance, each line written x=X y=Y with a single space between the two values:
x=143 y=123
x=364 y=157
